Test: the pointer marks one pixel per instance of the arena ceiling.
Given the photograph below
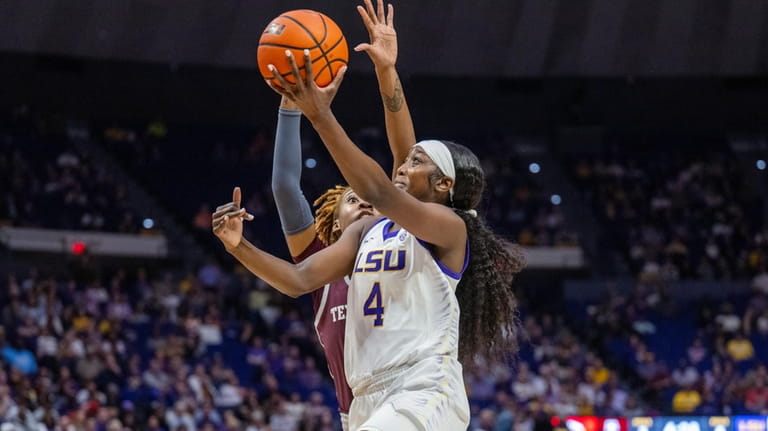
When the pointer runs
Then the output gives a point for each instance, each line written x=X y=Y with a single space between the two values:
x=511 y=38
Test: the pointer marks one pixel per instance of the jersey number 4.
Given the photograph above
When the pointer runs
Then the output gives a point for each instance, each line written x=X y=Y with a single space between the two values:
x=373 y=307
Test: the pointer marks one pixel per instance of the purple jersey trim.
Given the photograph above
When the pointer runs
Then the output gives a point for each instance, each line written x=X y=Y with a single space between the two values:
x=387 y=234
x=362 y=237
x=447 y=271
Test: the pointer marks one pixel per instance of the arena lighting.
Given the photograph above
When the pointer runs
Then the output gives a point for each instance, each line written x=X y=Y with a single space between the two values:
x=555 y=199
x=760 y=164
x=148 y=223
x=78 y=248
x=534 y=168
x=310 y=163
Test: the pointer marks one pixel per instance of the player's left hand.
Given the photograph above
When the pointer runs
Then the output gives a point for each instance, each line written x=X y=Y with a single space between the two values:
x=383 y=46
x=312 y=100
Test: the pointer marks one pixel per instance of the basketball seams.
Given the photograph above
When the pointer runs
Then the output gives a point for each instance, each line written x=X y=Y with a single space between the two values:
x=328 y=64
x=325 y=29
x=312 y=36
x=327 y=61
x=306 y=20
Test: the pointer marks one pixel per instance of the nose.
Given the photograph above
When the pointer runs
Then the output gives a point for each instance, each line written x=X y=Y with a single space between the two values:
x=364 y=205
x=401 y=169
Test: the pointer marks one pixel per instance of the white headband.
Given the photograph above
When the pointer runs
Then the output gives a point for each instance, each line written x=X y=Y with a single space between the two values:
x=441 y=156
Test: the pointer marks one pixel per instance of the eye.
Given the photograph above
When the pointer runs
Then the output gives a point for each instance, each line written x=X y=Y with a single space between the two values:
x=416 y=161
x=352 y=200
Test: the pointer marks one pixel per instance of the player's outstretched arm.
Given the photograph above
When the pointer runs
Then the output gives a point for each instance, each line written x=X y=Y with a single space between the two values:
x=294 y=280
x=382 y=50
x=428 y=221
x=295 y=213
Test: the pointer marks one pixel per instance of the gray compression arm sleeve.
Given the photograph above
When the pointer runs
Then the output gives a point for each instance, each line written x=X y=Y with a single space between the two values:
x=293 y=208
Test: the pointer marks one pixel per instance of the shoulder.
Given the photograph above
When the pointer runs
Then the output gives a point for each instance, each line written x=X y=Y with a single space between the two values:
x=452 y=225
x=362 y=226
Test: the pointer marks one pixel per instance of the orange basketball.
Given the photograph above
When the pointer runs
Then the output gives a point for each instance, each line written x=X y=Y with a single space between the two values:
x=296 y=31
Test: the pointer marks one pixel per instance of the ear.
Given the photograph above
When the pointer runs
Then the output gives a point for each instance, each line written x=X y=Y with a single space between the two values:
x=444 y=184
x=336 y=226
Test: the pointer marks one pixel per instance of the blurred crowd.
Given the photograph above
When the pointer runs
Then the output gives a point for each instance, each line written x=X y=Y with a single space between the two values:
x=127 y=351
x=217 y=350
x=47 y=182
x=717 y=364
x=555 y=375
x=86 y=347
x=47 y=172
x=677 y=214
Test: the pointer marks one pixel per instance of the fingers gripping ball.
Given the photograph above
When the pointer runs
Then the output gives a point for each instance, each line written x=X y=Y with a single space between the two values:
x=296 y=31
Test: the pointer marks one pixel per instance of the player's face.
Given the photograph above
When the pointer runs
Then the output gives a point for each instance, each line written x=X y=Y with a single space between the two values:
x=414 y=176
x=351 y=209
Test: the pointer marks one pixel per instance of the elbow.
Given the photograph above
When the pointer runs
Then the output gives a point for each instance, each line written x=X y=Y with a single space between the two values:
x=293 y=290
x=279 y=186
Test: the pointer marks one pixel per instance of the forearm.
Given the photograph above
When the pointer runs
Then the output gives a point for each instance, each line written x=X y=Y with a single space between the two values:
x=292 y=207
x=280 y=274
x=397 y=116
x=364 y=175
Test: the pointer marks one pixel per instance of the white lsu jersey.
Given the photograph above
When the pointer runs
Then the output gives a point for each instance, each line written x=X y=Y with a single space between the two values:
x=401 y=307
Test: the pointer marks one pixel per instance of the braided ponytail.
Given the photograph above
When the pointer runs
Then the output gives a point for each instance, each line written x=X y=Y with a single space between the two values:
x=489 y=325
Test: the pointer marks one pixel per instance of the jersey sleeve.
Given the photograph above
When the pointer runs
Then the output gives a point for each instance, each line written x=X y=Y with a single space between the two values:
x=315 y=246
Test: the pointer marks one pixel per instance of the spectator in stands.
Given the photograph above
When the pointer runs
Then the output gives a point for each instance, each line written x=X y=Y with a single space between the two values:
x=19 y=357
x=686 y=400
x=202 y=219
x=697 y=352
x=760 y=281
x=756 y=397
x=685 y=374
x=597 y=373
x=727 y=319
x=527 y=385
x=740 y=348
x=485 y=421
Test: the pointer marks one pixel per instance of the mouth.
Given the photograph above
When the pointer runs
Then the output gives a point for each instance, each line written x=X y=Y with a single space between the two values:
x=400 y=184
x=364 y=213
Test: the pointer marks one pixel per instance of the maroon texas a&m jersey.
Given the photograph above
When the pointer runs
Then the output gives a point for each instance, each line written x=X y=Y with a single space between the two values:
x=330 y=306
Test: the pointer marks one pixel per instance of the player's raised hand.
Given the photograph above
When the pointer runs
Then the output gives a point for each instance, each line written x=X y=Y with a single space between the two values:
x=228 y=221
x=313 y=101
x=383 y=45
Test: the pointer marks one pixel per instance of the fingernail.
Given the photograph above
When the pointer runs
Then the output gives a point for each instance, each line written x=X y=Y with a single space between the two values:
x=287 y=53
x=306 y=52
x=271 y=67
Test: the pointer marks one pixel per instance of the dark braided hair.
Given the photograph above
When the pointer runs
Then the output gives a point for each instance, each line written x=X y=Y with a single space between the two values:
x=489 y=326
x=326 y=213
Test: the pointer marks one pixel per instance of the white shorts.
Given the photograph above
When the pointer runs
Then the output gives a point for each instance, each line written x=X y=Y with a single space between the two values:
x=427 y=396
x=344 y=421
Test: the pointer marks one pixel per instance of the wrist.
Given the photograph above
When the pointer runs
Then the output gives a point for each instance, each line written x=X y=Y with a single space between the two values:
x=321 y=118
x=233 y=249
x=384 y=69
